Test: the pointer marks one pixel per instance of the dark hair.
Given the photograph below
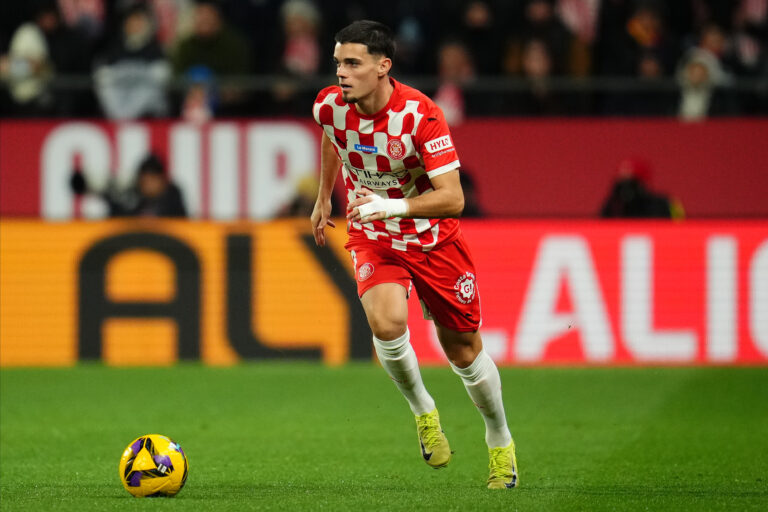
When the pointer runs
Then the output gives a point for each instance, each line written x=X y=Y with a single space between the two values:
x=377 y=37
x=152 y=164
x=42 y=7
x=215 y=4
x=132 y=7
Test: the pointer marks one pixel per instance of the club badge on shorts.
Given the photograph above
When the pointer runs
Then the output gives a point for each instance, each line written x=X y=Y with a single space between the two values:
x=365 y=271
x=465 y=288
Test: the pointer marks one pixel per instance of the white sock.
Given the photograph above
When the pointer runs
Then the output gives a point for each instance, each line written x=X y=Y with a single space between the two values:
x=399 y=360
x=483 y=384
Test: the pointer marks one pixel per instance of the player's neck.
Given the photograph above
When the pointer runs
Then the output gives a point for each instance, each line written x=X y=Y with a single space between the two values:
x=378 y=99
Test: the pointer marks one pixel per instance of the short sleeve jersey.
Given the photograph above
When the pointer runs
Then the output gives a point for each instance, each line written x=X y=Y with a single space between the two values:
x=393 y=153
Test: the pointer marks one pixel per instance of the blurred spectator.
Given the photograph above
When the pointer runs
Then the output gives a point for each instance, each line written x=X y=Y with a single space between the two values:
x=749 y=53
x=27 y=69
x=259 y=22
x=84 y=16
x=301 y=51
x=304 y=199
x=644 y=49
x=712 y=11
x=305 y=194
x=300 y=56
x=455 y=70
x=173 y=19
x=539 y=99
x=132 y=76
x=39 y=50
x=200 y=98
x=649 y=47
x=632 y=197
x=481 y=35
x=580 y=17
x=214 y=48
x=537 y=64
x=634 y=40
x=699 y=73
x=156 y=196
x=566 y=55
x=412 y=34
x=750 y=24
x=152 y=194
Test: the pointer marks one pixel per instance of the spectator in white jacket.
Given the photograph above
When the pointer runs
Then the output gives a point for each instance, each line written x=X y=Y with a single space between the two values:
x=132 y=76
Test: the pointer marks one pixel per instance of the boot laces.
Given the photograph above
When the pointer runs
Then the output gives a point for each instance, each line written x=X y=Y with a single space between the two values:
x=429 y=431
x=500 y=463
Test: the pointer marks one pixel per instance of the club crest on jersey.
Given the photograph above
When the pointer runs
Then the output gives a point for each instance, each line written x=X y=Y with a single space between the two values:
x=465 y=288
x=396 y=149
x=365 y=271
x=366 y=149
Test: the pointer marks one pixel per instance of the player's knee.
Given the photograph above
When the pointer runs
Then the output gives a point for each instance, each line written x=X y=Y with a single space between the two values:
x=461 y=348
x=462 y=359
x=387 y=327
x=460 y=354
x=389 y=331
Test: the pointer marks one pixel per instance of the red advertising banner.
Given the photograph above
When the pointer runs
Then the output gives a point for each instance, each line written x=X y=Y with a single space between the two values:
x=251 y=168
x=617 y=293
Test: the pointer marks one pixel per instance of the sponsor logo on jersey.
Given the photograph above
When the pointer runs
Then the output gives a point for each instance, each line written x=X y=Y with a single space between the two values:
x=378 y=180
x=366 y=271
x=439 y=144
x=366 y=149
x=465 y=287
x=396 y=149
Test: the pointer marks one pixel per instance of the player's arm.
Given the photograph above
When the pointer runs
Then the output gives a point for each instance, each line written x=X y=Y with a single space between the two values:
x=329 y=168
x=446 y=200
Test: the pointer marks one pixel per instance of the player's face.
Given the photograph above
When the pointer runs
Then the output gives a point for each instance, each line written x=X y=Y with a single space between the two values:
x=358 y=70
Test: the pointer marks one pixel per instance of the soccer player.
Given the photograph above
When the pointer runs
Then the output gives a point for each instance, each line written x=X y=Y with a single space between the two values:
x=401 y=173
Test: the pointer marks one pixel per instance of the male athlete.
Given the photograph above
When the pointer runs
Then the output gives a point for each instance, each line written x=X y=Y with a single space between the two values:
x=401 y=172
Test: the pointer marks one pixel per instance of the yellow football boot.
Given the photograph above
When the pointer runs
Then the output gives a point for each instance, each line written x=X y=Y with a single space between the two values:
x=503 y=466
x=434 y=445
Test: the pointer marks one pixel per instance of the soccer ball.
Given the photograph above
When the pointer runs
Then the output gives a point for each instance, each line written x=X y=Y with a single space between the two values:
x=153 y=465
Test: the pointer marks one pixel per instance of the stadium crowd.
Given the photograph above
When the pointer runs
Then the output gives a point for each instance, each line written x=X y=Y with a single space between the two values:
x=197 y=59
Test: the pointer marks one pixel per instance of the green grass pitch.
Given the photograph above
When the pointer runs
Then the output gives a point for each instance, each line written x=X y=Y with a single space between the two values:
x=301 y=436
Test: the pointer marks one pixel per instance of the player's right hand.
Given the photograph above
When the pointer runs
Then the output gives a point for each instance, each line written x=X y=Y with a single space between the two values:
x=321 y=216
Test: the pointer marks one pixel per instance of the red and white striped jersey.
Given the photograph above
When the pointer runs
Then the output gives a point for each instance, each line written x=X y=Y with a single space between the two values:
x=394 y=153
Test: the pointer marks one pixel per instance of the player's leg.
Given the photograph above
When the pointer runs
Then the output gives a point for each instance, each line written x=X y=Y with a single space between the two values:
x=383 y=284
x=481 y=379
x=446 y=283
x=386 y=308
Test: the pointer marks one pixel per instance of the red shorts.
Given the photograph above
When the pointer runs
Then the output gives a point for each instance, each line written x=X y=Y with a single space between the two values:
x=444 y=278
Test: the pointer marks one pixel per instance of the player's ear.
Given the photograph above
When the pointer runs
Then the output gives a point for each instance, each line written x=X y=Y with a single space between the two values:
x=385 y=64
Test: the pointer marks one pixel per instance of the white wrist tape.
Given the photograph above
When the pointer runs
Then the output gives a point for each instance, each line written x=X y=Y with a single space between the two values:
x=390 y=207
